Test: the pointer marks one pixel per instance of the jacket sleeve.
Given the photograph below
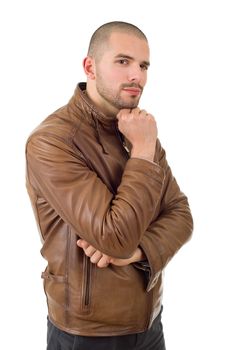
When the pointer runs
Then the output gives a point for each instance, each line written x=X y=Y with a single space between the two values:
x=114 y=224
x=170 y=229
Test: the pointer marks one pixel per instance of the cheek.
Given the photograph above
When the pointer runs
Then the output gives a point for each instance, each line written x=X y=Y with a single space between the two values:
x=118 y=72
x=143 y=82
x=118 y=75
x=111 y=77
x=144 y=79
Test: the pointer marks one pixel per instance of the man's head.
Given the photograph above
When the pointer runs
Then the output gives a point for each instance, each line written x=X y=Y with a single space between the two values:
x=116 y=66
x=99 y=40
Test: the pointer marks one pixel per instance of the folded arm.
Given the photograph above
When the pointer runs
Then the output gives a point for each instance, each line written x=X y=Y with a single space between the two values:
x=113 y=224
x=170 y=229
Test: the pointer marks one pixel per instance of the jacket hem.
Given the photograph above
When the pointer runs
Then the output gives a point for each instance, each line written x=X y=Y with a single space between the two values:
x=99 y=333
x=107 y=333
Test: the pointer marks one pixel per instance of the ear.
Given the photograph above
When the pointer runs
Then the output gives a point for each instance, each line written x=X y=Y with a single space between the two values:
x=89 y=67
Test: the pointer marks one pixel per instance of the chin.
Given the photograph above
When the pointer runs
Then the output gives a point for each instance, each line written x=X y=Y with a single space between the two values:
x=131 y=104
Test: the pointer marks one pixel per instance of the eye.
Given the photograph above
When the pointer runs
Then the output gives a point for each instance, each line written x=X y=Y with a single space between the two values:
x=123 y=61
x=143 y=66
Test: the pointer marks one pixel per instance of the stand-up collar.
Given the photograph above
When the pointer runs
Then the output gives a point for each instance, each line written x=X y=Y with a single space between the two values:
x=83 y=102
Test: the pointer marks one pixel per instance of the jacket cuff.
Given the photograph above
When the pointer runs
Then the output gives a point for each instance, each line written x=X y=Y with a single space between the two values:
x=144 y=266
x=154 y=171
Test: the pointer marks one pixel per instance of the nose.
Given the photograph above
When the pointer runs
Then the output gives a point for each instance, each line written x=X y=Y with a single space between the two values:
x=136 y=74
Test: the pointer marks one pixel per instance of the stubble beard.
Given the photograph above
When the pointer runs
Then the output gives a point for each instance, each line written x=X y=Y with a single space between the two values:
x=114 y=98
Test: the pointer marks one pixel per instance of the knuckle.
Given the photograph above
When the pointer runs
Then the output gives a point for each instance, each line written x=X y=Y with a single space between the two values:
x=143 y=111
x=100 y=264
x=94 y=260
x=88 y=253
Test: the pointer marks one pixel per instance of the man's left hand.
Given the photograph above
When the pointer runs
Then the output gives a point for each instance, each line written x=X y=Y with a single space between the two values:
x=103 y=260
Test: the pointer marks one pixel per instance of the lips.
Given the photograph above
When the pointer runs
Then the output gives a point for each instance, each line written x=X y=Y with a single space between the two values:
x=132 y=90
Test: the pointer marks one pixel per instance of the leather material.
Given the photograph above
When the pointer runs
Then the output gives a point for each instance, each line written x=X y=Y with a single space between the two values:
x=83 y=183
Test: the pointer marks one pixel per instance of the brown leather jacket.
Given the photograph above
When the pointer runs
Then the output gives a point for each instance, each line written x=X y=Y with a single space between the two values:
x=82 y=183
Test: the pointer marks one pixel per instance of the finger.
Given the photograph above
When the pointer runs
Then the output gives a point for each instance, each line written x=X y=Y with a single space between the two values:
x=143 y=112
x=120 y=262
x=104 y=261
x=90 y=250
x=135 y=110
x=123 y=114
x=126 y=112
x=82 y=243
x=96 y=257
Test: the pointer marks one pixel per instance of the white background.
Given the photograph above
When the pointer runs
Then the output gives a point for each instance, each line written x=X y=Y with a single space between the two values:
x=190 y=91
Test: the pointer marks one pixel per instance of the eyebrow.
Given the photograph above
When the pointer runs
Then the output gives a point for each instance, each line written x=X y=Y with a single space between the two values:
x=122 y=55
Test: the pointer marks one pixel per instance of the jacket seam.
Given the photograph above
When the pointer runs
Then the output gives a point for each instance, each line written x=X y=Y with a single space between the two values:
x=39 y=221
x=67 y=291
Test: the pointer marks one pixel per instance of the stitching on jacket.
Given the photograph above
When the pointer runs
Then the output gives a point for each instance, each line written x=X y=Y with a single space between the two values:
x=67 y=267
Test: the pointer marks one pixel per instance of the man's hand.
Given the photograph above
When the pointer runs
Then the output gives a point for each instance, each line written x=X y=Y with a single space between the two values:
x=137 y=256
x=103 y=260
x=96 y=257
x=140 y=128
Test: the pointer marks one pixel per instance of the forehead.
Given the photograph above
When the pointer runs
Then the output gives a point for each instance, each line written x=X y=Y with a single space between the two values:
x=129 y=44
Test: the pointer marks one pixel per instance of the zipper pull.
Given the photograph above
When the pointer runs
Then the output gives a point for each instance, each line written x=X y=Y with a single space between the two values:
x=125 y=147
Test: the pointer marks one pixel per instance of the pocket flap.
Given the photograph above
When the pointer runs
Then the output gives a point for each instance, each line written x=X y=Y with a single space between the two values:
x=56 y=278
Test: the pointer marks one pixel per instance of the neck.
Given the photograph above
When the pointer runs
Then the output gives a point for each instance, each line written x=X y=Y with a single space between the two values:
x=103 y=106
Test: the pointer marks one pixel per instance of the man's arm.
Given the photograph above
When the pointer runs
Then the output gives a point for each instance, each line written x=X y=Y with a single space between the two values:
x=171 y=228
x=168 y=231
x=103 y=260
x=113 y=224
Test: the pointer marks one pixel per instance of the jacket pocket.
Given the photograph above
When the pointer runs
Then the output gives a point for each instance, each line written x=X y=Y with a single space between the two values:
x=55 y=287
x=55 y=278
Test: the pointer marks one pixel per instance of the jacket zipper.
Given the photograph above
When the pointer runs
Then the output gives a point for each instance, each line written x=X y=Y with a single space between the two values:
x=87 y=281
x=120 y=138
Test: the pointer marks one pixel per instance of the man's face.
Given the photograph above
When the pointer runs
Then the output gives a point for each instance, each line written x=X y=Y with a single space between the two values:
x=121 y=72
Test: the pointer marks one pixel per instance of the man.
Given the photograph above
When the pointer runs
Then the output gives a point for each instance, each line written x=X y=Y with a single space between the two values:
x=110 y=213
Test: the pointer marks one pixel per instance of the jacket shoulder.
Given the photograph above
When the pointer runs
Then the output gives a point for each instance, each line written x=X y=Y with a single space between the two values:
x=60 y=125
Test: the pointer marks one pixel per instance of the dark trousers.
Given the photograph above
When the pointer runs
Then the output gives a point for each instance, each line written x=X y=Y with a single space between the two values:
x=152 y=339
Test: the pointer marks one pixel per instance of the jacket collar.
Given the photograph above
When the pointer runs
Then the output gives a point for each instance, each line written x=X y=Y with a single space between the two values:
x=81 y=101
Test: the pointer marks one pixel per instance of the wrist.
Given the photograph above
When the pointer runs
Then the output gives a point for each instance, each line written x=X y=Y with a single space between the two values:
x=150 y=158
x=144 y=153
x=138 y=255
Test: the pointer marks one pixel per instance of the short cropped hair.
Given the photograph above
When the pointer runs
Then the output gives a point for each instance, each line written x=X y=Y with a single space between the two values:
x=101 y=36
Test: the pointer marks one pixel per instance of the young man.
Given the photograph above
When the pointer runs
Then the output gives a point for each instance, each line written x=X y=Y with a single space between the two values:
x=110 y=213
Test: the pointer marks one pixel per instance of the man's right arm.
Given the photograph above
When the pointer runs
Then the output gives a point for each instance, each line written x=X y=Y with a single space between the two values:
x=113 y=224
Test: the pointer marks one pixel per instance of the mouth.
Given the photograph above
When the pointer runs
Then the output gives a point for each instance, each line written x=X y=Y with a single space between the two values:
x=132 y=91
